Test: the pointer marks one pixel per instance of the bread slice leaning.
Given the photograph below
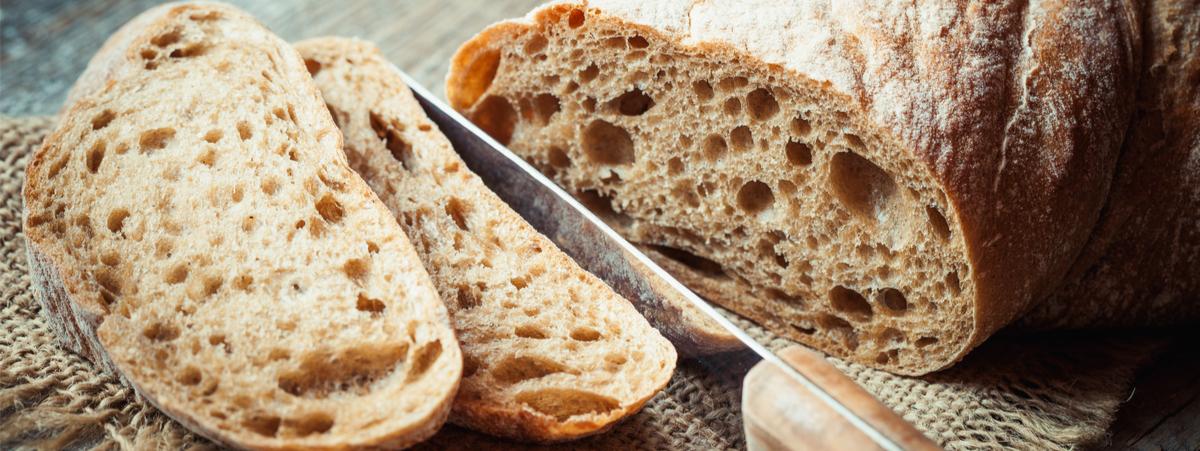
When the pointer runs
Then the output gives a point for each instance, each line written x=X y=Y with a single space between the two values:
x=550 y=352
x=193 y=226
x=888 y=190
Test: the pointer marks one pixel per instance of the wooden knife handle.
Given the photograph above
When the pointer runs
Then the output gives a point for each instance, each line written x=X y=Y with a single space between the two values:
x=780 y=413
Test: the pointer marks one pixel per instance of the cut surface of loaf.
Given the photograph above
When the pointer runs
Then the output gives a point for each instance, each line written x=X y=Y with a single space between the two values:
x=550 y=352
x=193 y=225
x=885 y=193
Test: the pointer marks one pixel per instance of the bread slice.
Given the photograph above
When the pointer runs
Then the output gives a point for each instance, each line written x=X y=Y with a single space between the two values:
x=193 y=226
x=1141 y=266
x=889 y=185
x=551 y=353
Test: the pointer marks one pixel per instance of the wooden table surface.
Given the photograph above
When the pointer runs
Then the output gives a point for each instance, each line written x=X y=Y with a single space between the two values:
x=45 y=45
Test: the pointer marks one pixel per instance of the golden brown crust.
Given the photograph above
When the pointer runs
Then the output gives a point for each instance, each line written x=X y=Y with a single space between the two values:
x=1142 y=263
x=1016 y=110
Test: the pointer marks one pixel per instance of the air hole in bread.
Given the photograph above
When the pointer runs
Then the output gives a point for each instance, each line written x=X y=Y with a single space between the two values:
x=58 y=165
x=535 y=44
x=891 y=336
x=714 y=147
x=732 y=106
x=208 y=157
x=782 y=296
x=116 y=219
x=800 y=126
x=372 y=248
x=156 y=139
x=854 y=141
x=861 y=186
x=741 y=138
x=638 y=42
x=850 y=302
x=269 y=186
x=356 y=270
x=575 y=18
x=755 y=197
x=798 y=153
x=309 y=424
x=167 y=38
x=708 y=268
x=588 y=74
x=952 y=283
x=564 y=403
x=313 y=66
x=496 y=117
x=761 y=105
x=470 y=366
x=589 y=105
x=457 y=209
x=480 y=75
x=519 y=282
x=516 y=369
x=95 y=157
x=109 y=280
x=351 y=370
x=369 y=305
x=585 y=334
x=839 y=326
x=424 y=359
x=204 y=287
x=940 y=227
x=149 y=54
x=264 y=425
x=110 y=258
x=803 y=330
x=533 y=332
x=544 y=107
x=244 y=131
x=703 y=90
x=558 y=159
x=894 y=300
x=213 y=136
x=607 y=144
x=242 y=282
x=103 y=119
x=160 y=332
x=925 y=341
x=633 y=103
x=189 y=375
x=617 y=42
x=469 y=297
x=601 y=206
x=330 y=209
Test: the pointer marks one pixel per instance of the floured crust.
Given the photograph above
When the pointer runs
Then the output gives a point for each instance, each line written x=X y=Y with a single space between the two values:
x=552 y=353
x=194 y=228
x=1009 y=114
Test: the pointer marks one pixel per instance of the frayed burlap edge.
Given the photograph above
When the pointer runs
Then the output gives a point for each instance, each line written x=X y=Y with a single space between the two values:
x=1056 y=391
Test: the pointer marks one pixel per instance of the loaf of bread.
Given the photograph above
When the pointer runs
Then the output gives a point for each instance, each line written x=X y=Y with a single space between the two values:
x=193 y=226
x=890 y=183
x=550 y=352
x=1141 y=266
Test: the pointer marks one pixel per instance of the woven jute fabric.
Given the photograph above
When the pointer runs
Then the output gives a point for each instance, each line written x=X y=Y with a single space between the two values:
x=1047 y=392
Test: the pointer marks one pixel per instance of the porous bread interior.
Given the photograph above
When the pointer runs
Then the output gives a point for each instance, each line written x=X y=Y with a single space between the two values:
x=806 y=218
x=551 y=353
x=253 y=286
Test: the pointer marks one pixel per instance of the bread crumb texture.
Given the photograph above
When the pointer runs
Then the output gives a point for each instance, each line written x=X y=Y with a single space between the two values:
x=786 y=194
x=248 y=282
x=550 y=352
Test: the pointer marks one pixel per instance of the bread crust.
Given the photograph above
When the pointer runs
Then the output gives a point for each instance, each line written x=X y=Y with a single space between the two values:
x=1016 y=110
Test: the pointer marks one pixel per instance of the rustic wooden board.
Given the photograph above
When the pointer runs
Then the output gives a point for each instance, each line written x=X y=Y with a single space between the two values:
x=45 y=45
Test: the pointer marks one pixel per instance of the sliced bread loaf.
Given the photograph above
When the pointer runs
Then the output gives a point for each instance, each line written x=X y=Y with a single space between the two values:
x=551 y=353
x=193 y=226
x=889 y=183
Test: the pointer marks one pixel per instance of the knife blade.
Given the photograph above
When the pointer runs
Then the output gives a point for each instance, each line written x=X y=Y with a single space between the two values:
x=601 y=251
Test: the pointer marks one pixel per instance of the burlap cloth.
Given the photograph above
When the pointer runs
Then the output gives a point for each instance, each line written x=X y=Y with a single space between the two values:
x=1047 y=392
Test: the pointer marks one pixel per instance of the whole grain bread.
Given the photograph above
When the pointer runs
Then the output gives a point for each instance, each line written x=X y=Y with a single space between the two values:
x=193 y=226
x=551 y=353
x=888 y=182
x=1141 y=266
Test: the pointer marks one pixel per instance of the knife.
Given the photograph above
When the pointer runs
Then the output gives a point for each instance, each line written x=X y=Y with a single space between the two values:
x=819 y=401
